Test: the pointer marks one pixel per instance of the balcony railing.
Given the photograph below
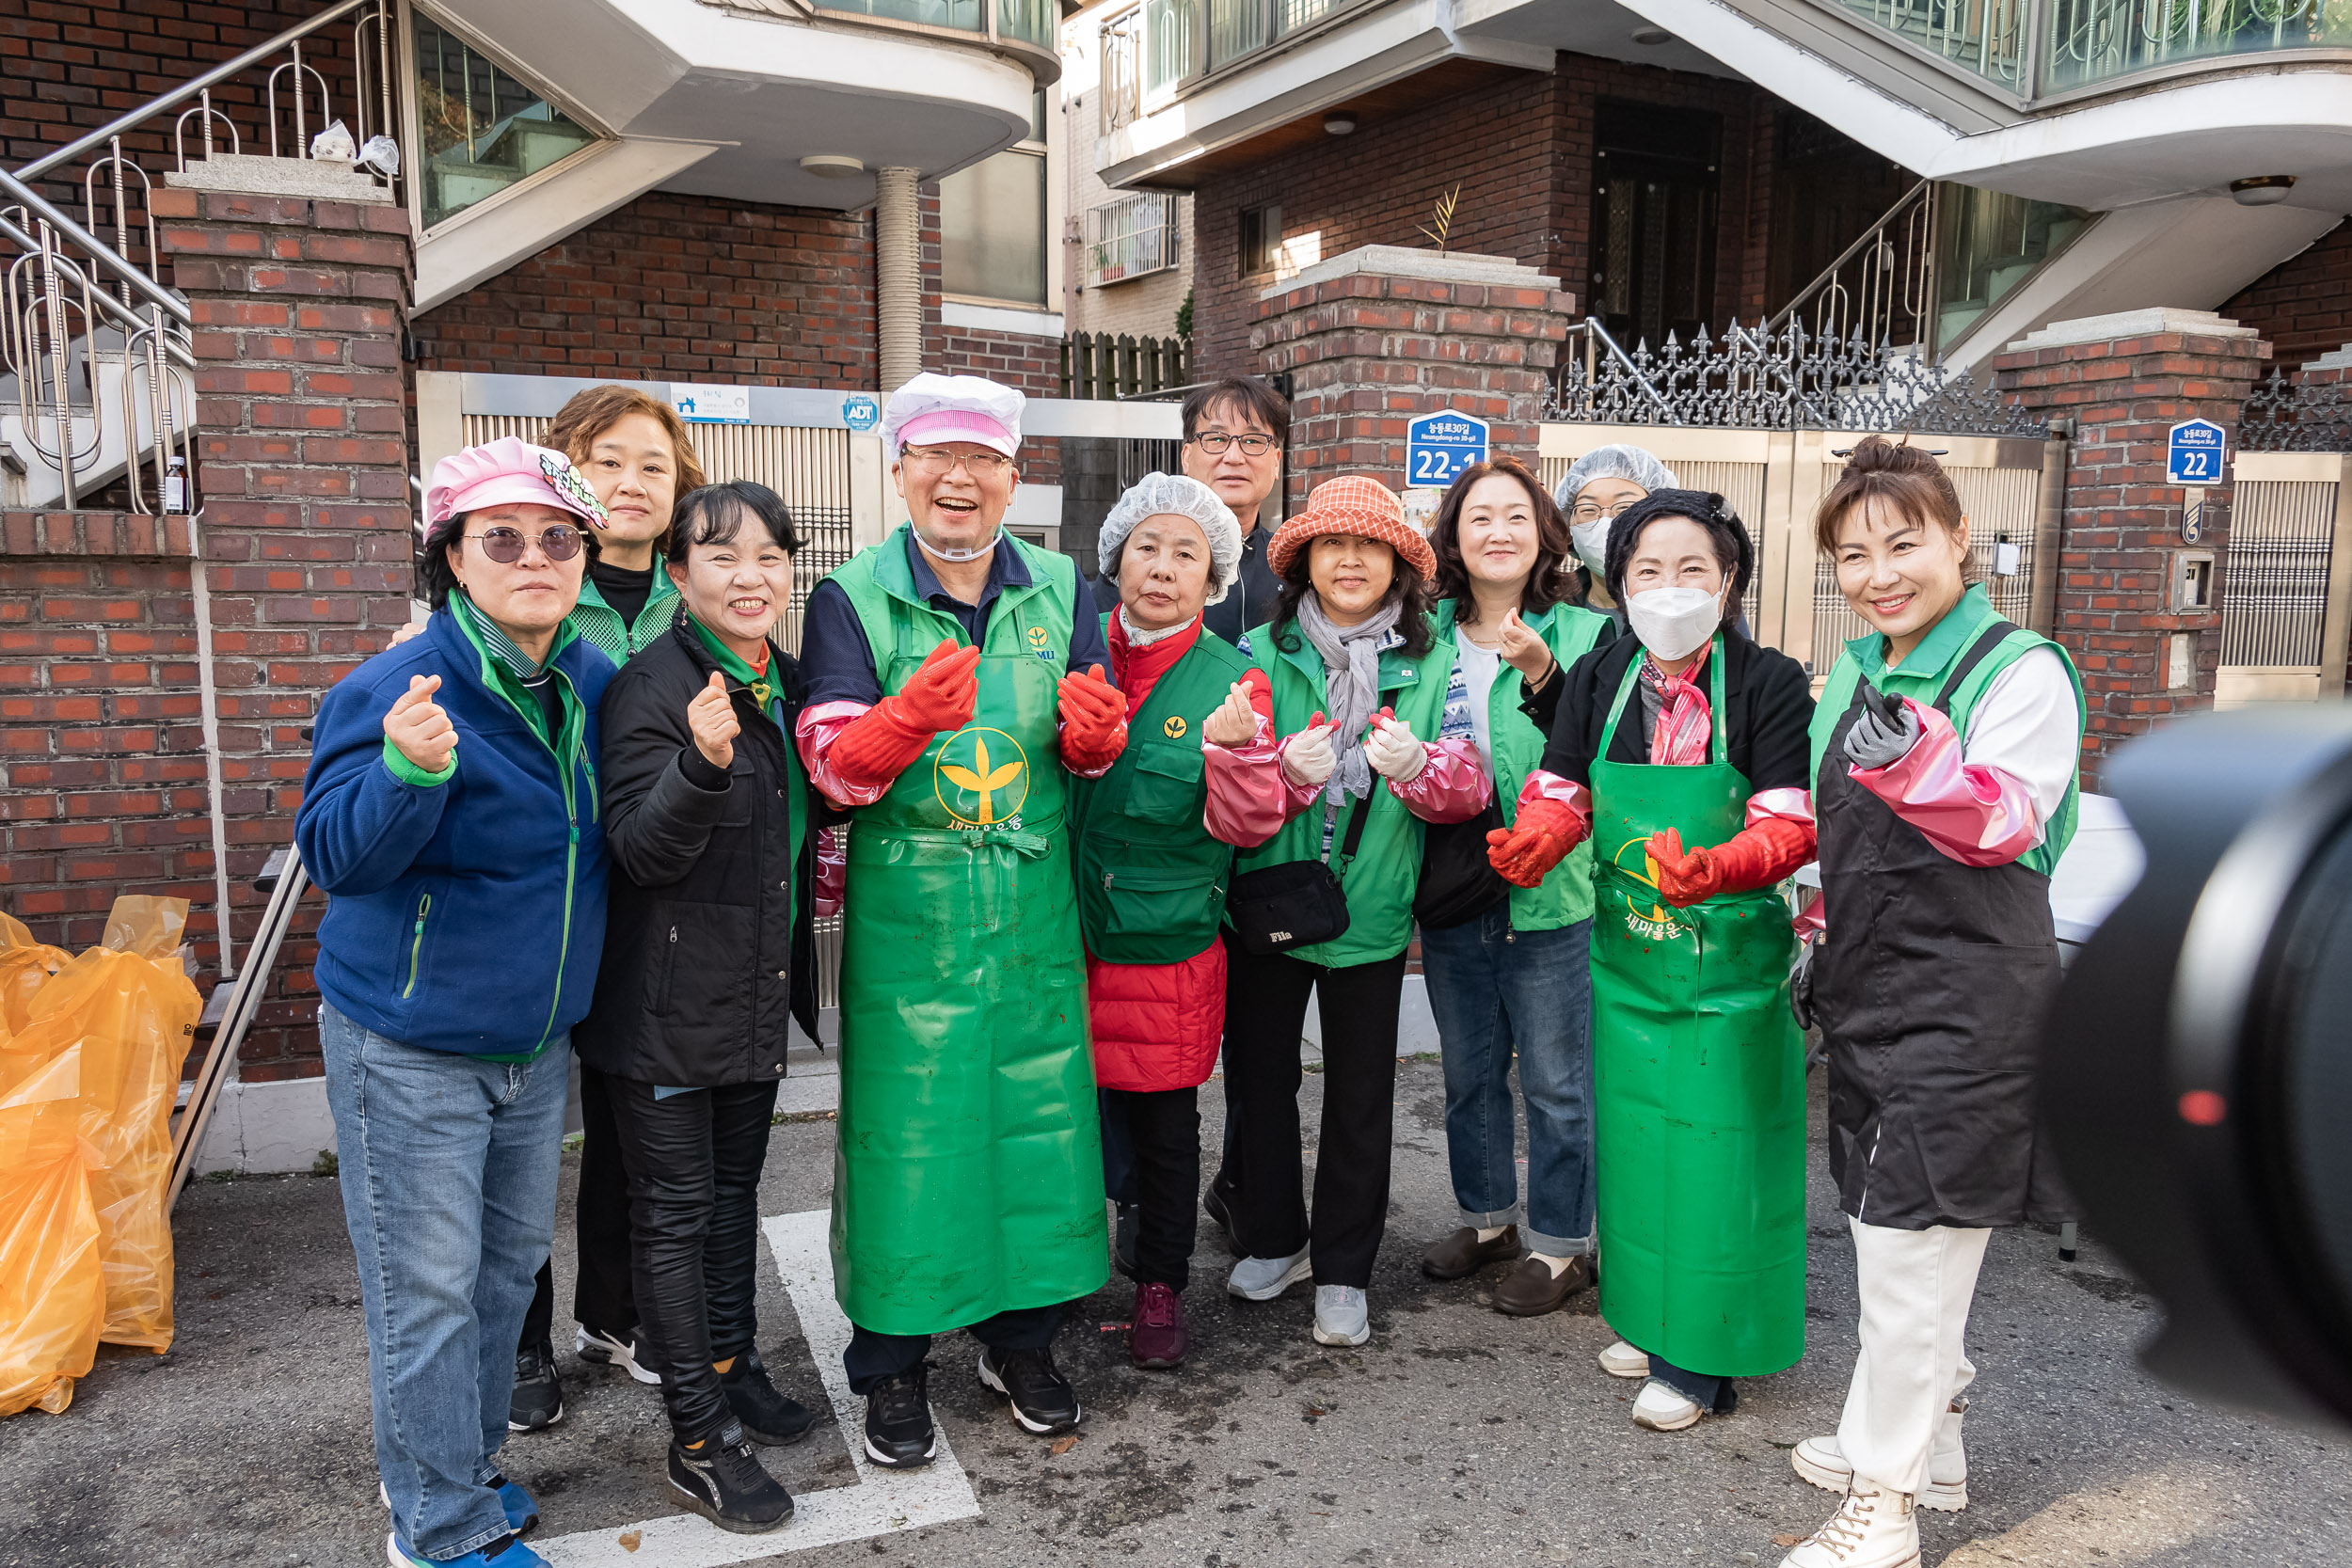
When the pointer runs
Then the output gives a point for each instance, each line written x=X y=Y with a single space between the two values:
x=2038 y=48
x=1165 y=44
x=1133 y=237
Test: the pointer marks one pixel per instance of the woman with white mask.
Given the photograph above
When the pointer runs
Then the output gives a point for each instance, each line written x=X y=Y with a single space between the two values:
x=1593 y=494
x=1686 y=732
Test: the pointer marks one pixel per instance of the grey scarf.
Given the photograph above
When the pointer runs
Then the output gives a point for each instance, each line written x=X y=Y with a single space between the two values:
x=1351 y=659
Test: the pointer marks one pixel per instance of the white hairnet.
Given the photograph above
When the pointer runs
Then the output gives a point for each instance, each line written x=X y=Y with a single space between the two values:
x=1180 y=496
x=1631 y=464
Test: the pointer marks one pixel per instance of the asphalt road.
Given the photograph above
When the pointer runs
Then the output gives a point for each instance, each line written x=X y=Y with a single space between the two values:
x=1456 y=1435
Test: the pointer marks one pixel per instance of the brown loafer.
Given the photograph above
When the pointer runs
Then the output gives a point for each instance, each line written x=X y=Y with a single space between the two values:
x=1463 y=1253
x=1529 y=1290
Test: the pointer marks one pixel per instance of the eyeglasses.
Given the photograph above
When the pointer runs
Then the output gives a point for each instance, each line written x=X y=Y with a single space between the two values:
x=505 y=545
x=938 y=462
x=1593 y=512
x=1216 y=441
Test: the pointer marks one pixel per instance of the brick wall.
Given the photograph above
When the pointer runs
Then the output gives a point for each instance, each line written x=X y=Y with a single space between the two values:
x=2303 y=306
x=681 y=288
x=2123 y=539
x=65 y=70
x=1523 y=151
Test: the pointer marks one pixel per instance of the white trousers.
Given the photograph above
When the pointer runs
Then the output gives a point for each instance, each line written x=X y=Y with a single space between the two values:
x=1915 y=1288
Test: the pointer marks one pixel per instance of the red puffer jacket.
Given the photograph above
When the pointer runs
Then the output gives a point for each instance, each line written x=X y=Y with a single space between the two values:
x=1156 y=1026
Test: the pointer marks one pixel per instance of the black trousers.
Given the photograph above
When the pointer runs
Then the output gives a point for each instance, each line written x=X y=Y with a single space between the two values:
x=602 y=1295
x=1266 y=1015
x=693 y=1162
x=1163 y=1139
x=873 y=1356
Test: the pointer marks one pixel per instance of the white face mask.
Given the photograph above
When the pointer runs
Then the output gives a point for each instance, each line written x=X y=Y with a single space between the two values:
x=973 y=554
x=1673 y=622
x=1592 y=543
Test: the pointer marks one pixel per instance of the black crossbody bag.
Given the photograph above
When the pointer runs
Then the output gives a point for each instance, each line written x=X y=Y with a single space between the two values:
x=1297 y=903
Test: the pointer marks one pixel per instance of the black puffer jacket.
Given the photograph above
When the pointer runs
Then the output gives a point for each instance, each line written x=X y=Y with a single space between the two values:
x=707 y=948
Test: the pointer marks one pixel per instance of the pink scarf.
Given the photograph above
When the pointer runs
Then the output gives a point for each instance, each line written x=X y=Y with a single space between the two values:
x=1685 y=722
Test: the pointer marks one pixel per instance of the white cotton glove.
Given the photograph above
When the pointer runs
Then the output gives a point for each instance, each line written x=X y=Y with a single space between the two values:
x=1393 y=752
x=1308 y=756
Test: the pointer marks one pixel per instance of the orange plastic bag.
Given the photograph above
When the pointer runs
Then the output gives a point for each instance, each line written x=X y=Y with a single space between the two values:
x=134 y=1011
x=53 y=1286
x=25 y=966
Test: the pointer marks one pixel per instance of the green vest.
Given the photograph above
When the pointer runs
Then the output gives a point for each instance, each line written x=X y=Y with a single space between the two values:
x=1921 y=677
x=603 y=624
x=968 y=1170
x=1566 y=894
x=1150 y=879
x=1380 y=880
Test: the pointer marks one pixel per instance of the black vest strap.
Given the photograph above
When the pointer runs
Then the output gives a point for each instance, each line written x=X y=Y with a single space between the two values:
x=1995 y=632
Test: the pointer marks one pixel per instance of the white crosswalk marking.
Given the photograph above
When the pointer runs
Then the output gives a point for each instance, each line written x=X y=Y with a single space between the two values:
x=881 y=1502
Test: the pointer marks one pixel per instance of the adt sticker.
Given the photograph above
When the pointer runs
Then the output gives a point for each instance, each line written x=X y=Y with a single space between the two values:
x=1438 y=446
x=860 y=412
x=2196 y=453
x=700 y=402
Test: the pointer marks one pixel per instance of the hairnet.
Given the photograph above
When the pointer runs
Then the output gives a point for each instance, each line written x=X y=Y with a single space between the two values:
x=1734 y=550
x=1631 y=464
x=1177 y=495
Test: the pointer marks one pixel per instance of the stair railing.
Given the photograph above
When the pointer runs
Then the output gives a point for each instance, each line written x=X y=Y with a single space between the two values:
x=1882 y=287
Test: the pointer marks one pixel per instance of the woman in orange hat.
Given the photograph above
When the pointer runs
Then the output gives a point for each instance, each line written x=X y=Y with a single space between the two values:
x=1358 y=671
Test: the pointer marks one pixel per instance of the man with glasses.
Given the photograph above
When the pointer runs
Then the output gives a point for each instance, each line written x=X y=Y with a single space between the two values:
x=1234 y=432
x=952 y=686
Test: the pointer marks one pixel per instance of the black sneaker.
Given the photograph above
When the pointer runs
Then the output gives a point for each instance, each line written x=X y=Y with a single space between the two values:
x=1218 y=1203
x=537 y=1402
x=1123 y=1237
x=768 y=1417
x=898 y=1421
x=1041 y=1399
x=725 y=1483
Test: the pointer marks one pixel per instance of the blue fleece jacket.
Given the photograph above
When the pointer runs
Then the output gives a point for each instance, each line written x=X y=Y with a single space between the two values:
x=465 y=912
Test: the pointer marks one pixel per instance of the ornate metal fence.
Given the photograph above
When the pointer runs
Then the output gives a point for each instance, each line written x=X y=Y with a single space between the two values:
x=1775 y=378
x=2297 y=413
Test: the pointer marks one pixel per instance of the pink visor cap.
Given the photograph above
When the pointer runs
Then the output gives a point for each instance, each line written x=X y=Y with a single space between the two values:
x=932 y=410
x=504 y=472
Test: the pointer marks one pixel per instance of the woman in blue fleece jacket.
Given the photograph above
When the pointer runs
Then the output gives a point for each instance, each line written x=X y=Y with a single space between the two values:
x=451 y=814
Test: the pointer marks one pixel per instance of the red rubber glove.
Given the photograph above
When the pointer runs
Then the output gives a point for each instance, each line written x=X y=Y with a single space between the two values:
x=1545 y=831
x=884 y=742
x=1756 y=856
x=1094 y=721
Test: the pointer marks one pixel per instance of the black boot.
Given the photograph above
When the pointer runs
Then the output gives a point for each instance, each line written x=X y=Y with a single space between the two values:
x=898 y=1421
x=724 y=1480
x=768 y=1417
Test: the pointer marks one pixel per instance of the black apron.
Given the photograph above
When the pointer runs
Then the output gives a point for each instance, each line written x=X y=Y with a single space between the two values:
x=1930 y=985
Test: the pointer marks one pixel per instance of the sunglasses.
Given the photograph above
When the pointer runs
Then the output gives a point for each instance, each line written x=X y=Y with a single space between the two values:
x=505 y=545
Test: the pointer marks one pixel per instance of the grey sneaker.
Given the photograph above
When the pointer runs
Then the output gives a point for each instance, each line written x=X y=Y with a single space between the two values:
x=1264 y=1278
x=1340 y=1316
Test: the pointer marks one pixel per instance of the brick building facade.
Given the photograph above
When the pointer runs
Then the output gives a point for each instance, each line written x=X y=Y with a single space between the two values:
x=2303 y=306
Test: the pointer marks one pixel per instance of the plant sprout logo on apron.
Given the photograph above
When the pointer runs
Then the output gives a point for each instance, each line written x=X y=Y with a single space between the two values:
x=1657 y=923
x=981 y=778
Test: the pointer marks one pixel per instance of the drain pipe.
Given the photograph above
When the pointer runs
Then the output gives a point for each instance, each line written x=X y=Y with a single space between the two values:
x=898 y=278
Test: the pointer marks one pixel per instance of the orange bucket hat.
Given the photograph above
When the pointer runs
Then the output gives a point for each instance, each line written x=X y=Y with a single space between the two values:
x=1358 y=505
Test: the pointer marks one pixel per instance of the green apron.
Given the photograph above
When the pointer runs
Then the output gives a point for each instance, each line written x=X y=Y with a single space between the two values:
x=968 y=1172
x=1698 y=1074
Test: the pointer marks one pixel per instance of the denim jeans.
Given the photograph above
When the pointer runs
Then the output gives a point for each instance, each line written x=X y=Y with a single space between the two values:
x=447 y=1166
x=1496 y=992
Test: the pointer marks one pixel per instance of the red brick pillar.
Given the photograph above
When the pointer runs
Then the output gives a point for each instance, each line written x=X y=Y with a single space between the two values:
x=303 y=533
x=2125 y=381
x=1380 y=335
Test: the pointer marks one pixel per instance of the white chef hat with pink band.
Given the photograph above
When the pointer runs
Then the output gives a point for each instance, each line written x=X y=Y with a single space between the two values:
x=935 y=410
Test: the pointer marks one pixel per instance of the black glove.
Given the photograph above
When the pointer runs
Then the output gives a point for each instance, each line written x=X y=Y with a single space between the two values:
x=1884 y=732
x=1801 y=986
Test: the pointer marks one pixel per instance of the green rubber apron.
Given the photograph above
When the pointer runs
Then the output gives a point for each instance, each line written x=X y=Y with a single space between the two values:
x=968 y=1174
x=1698 y=1075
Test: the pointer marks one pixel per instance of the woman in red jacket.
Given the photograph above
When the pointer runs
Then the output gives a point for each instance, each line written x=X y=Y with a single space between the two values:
x=1155 y=840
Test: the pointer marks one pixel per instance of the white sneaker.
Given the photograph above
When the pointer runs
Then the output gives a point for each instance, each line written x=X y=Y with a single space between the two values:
x=1341 y=1316
x=1820 y=1461
x=1623 y=1360
x=610 y=1349
x=1264 y=1278
x=1874 y=1529
x=1661 y=1409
